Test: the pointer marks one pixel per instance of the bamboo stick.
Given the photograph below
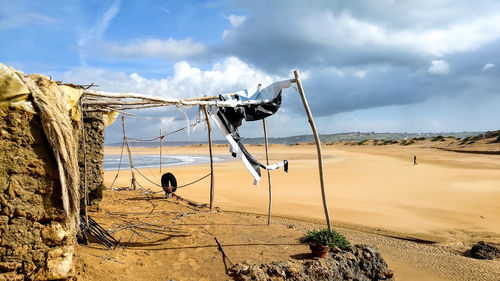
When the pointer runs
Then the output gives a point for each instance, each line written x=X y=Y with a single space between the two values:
x=129 y=153
x=264 y=123
x=116 y=102
x=318 y=146
x=212 y=192
x=166 y=101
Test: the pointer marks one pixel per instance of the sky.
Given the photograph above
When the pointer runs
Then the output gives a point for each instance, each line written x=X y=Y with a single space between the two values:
x=368 y=66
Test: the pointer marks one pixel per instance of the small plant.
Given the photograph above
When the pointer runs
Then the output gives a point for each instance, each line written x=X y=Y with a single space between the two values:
x=326 y=238
x=438 y=138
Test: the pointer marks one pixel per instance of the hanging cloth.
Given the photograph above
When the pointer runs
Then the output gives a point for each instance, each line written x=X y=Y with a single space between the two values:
x=228 y=119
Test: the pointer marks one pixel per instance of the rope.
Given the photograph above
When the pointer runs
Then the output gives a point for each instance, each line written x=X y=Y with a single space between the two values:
x=195 y=181
x=151 y=139
x=119 y=164
x=146 y=178
x=173 y=132
x=183 y=128
x=188 y=184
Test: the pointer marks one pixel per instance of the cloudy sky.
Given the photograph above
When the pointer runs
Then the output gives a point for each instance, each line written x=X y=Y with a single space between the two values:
x=382 y=66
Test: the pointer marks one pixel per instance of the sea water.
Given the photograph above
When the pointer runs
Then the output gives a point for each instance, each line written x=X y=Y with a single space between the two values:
x=111 y=162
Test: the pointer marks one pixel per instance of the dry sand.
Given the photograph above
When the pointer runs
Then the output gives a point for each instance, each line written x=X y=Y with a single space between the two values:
x=373 y=192
x=448 y=196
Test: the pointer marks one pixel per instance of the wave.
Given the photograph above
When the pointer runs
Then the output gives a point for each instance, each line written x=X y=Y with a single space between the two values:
x=112 y=162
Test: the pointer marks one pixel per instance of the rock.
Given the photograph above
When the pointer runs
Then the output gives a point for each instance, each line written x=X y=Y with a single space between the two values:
x=18 y=212
x=4 y=220
x=59 y=263
x=54 y=233
x=11 y=276
x=359 y=262
x=9 y=266
x=485 y=251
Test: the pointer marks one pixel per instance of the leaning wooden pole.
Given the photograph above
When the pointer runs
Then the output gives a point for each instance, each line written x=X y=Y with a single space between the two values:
x=318 y=146
x=129 y=154
x=211 y=158
x=264 y=123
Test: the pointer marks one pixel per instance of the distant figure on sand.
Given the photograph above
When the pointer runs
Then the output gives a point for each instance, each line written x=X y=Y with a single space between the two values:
x=415 y=160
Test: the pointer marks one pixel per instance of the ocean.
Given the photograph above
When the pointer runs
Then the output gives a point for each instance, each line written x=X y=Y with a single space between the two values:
x=111 y=162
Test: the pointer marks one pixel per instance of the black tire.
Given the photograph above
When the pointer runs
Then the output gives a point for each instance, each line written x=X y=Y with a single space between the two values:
x=168 y=180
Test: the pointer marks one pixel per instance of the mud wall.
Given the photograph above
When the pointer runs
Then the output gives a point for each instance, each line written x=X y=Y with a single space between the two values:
x=94 y=147
x=34 y=241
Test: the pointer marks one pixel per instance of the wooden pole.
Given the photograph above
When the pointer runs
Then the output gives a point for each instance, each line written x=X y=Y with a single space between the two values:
x=161 y=140
x=268 y=173
x=318 y=146
x=85 y=188
x=129 y=154
x=211 y=158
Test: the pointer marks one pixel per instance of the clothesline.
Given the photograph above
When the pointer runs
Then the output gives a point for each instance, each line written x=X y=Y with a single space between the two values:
x=170 y=133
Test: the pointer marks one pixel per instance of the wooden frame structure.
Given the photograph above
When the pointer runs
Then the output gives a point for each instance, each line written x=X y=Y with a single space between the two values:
x=100 y=101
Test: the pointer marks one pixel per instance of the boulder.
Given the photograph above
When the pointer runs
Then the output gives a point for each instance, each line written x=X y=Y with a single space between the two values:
x=485 y=251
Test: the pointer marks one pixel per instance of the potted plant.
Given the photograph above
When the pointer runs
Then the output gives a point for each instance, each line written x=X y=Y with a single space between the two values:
x=322 y=240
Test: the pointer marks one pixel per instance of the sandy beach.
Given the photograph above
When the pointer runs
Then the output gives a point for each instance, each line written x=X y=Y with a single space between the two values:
x=422 y=218
x=448 y=197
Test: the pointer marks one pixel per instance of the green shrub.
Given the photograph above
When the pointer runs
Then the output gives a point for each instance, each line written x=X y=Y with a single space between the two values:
x=327 y=238
x=438 y=138
x=363 y=142
x=405 y=142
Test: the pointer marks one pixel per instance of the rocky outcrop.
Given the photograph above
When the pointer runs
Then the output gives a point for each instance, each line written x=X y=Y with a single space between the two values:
x=359 y=262
x=485 y=251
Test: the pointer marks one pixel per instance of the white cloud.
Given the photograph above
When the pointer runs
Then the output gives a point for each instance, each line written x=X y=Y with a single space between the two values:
x=186 y=81
x=488 y=66
x=360 y=74
x=439 y=67
x=345 y=30
x=236 y=20
x=170 y=48
x=97 y=31
x=21 y=20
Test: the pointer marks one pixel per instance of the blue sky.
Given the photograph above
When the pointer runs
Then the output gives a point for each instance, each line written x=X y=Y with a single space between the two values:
x=383 y=66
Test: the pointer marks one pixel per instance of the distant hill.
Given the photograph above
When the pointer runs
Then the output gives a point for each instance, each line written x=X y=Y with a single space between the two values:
x=353 y=136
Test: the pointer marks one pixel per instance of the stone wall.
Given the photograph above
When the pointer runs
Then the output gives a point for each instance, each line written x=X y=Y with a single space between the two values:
x=94 y=146
x=35 y=242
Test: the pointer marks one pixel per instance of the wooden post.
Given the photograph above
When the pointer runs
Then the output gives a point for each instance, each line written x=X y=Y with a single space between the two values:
x=129 y=154
x=318 y=146
x=211 y=158
x=161 y=140
x=268 y=173
x=85 y=188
